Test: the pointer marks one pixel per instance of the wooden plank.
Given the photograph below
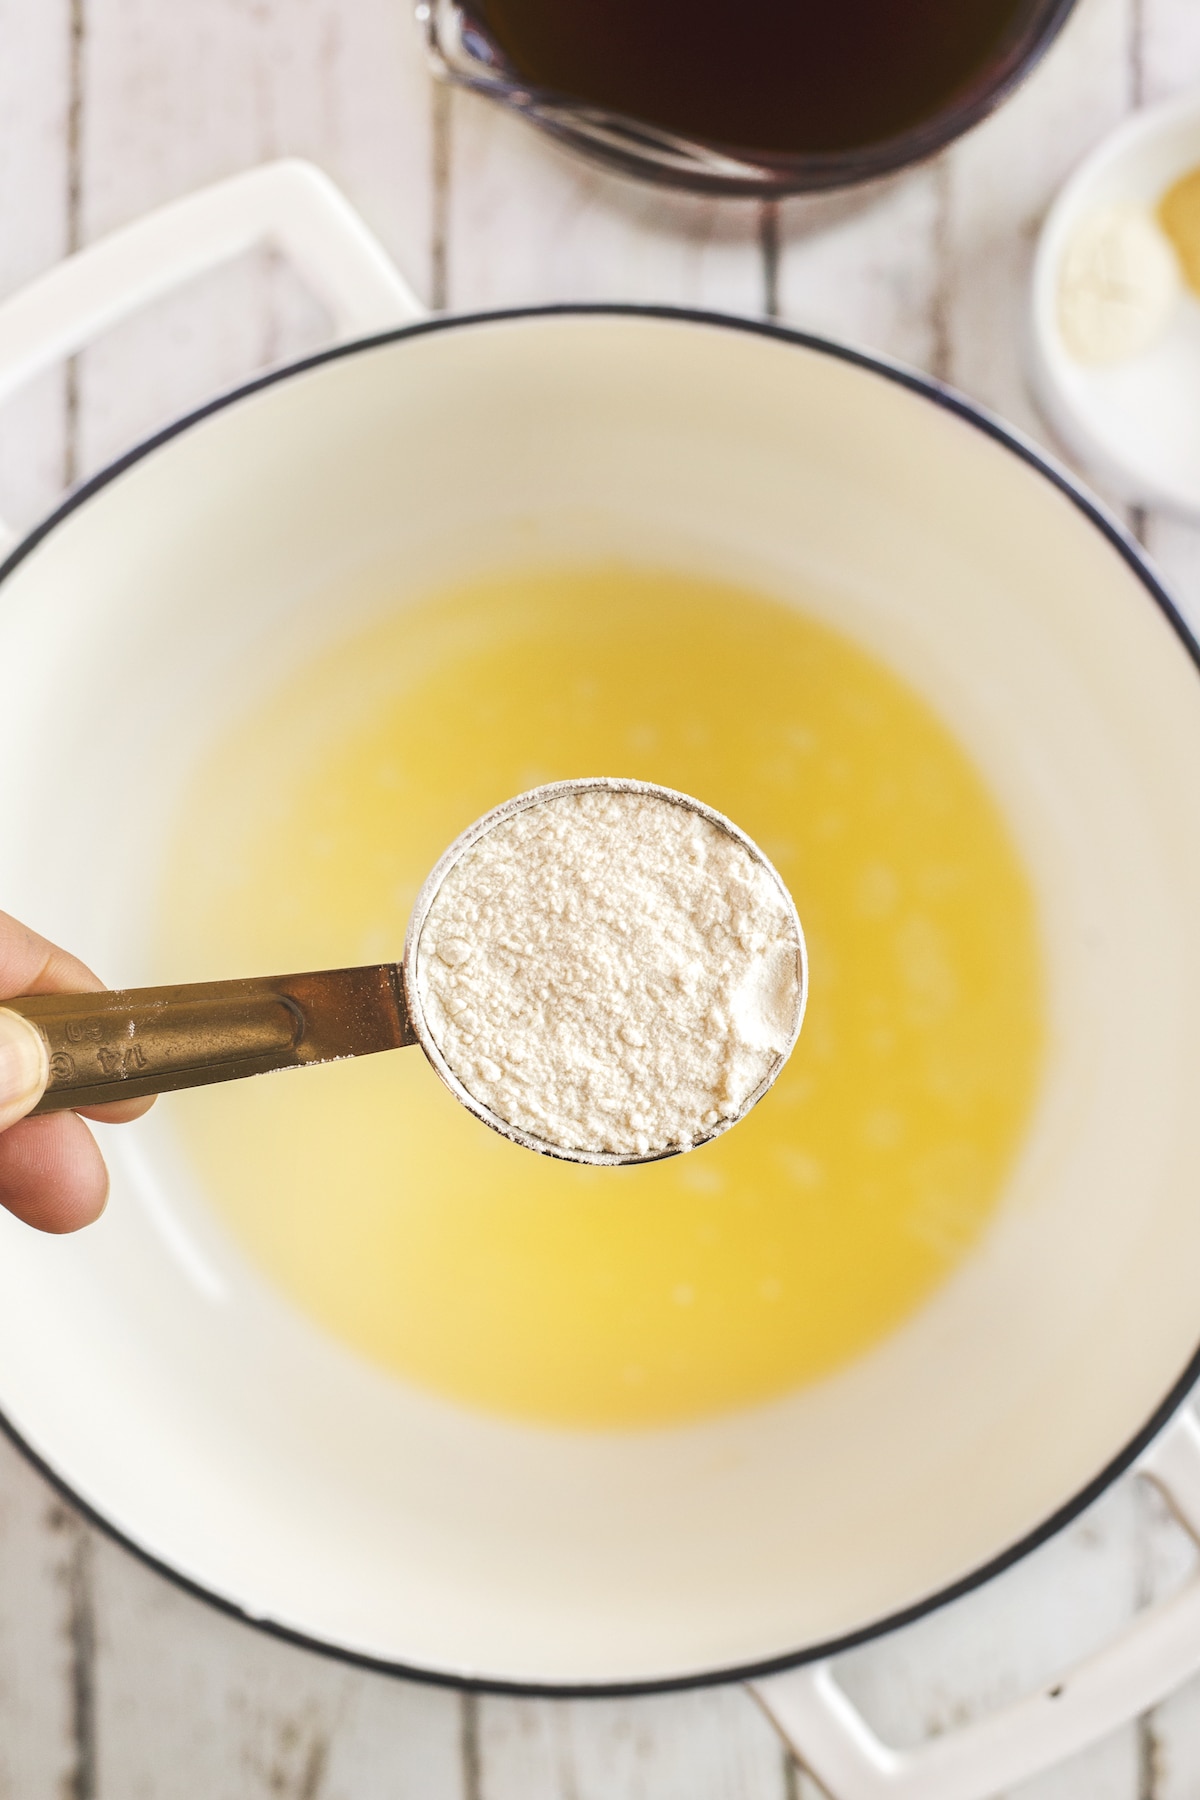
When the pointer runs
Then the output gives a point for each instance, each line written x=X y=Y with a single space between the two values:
x=713 y=1744
x=527 y=222
x=35 y=110
x=1168 y=48
x=44 y=1605
x=191 y=1703
x=45 y=1615
x=1170 y=1735
x=864 y=268
x=177 y=97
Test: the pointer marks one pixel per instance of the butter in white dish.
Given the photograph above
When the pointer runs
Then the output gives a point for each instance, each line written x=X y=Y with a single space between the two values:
x=1118 y=287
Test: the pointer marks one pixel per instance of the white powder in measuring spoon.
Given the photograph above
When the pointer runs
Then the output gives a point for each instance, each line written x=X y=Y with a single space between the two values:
x=610 y=971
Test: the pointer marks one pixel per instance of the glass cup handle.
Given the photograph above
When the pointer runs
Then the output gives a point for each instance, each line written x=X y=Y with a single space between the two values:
x=1155 y=1654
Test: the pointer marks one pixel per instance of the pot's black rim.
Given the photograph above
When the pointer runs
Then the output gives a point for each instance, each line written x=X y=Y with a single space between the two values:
x=1131 y=554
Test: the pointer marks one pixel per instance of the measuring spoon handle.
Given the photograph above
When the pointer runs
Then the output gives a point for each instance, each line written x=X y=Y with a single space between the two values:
x=124 y=1043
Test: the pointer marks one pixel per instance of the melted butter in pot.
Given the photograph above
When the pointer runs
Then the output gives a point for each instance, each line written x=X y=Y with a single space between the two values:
x=598 y=1297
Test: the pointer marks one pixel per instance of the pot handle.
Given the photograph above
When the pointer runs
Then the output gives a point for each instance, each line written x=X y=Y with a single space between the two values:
x=289 y=204
x=1157 y=1651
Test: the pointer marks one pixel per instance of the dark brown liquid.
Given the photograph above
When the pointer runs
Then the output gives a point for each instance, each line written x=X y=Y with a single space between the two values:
x=769 y=75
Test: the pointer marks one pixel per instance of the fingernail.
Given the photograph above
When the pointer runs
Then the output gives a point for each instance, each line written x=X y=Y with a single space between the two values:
x=24 y=1067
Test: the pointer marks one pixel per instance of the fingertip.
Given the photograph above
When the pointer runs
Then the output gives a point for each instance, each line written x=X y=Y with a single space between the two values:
x=52 y=1175
x=116 y=1112
x=24 y=1066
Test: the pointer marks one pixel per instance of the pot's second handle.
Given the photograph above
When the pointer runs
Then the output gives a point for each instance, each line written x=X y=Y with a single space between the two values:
x=1155 y=1654
x=289 y=204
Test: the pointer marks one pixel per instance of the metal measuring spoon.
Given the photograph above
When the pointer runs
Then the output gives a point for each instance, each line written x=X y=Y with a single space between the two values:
x=127 y=1043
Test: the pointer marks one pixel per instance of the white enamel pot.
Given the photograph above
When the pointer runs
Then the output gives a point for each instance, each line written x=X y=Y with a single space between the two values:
x=208 y=1426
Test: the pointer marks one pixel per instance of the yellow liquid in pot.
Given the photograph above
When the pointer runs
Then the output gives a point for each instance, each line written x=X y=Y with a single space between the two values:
x=595 y=1297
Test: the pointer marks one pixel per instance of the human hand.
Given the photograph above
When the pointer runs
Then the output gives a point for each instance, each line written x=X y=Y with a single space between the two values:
x=52 y=1174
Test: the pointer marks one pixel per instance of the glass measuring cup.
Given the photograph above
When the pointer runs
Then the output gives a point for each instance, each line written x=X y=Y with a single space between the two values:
x=128 y=1043
x=465 y=52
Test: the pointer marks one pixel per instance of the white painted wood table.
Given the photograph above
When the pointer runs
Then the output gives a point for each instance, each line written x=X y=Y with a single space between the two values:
x=113 y=1684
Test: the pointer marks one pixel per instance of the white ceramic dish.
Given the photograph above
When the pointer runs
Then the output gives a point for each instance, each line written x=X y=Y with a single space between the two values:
x=1134 y=425
x=250 y=1457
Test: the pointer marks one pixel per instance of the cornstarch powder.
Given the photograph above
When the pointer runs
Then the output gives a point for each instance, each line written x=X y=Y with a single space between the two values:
x=610 y=971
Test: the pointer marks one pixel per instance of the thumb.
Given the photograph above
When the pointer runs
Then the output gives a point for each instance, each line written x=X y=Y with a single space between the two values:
x=24 y=1067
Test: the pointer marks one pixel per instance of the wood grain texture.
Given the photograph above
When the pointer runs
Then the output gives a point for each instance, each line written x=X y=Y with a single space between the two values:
x=35 y=121
x=524 y=221
x=714 y=1744
x=174 y=97
x=45 y=1608
x=866 y=268
x=190 y=1704
x=45 y=1659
